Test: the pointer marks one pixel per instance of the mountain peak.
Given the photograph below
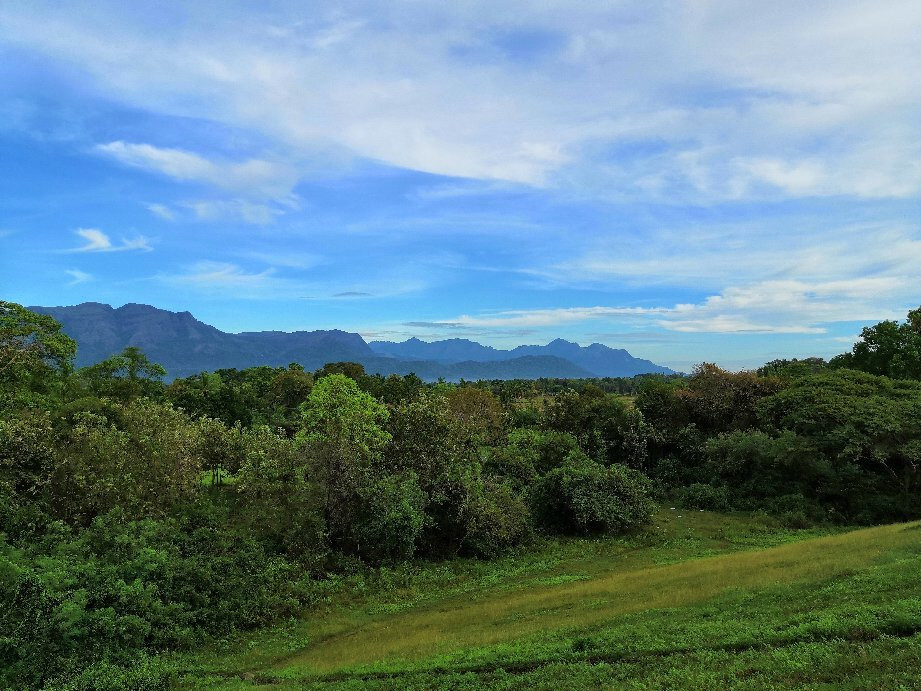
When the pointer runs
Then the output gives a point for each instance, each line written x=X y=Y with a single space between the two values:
x=185 y=345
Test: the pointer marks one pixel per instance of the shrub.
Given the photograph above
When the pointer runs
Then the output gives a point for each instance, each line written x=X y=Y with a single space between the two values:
x=391 y=518
x=703 y=496
x=497 y=518
x=583 y=497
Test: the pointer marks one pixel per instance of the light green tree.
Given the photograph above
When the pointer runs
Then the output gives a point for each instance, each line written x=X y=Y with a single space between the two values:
x=342 y=431
x=125 y=376
x=35 y=356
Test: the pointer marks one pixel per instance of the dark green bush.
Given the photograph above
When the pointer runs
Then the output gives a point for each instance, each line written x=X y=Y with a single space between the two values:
x=583 y=497
x=702 y=496
x=497 y=518
x=391 y=519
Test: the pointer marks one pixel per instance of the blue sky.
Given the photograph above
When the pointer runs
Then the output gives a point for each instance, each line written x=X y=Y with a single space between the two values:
x=728 y=181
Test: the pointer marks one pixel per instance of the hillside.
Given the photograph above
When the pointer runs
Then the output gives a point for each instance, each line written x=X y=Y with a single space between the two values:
x=711 y=602
x=185 y=346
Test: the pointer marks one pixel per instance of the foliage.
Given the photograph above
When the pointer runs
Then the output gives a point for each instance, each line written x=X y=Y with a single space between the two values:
x=145 y=462
x=889 y=349
x=583 y=497
x=868 y=428
x=497 y=518
x=390 y=518
x=120 y=587
x=342 y=433
x=125 y=376
x=137 y=518
x=35 y=356
x=704 y=497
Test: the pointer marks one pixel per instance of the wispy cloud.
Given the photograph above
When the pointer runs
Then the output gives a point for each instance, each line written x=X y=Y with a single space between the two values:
x=233 y=209
x=97 y=241
x=77 y=277
x=778 y=307
x=219 y=275
x=274 y=283
x=290 y=259
x=162 y=211
x=255 y=176
x=719 y=254
x=712 y=100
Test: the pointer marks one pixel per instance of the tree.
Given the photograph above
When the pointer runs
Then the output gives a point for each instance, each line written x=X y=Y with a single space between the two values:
x=125 y=376
x=890 y=348
x=477 y=413
x=582 y=497
x=274 y=484
x=35 y=356
x=145 y=462
x=868 y=428
x=342 y=430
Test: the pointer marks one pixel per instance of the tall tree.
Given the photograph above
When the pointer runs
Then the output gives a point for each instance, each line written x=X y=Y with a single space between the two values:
x=890 y=348
x=125 y=376
x=342 y=428
x=35 y=356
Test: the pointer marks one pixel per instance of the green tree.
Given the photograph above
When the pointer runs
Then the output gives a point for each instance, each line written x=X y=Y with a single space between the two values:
x=890 y=348
x=868 y=428
x=584 y=497
x=145 y=462
x=342 y=430
x=125 y=376
x=35 y=356
x=280 y=499
x=477 y=414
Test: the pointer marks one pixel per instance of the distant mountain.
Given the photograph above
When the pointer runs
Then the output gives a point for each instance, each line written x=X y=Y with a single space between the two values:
x=449 y=350
x=597 y=359
x=186 y=346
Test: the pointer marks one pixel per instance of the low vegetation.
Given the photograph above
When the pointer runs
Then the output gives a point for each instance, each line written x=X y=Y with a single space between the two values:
x=496 y=533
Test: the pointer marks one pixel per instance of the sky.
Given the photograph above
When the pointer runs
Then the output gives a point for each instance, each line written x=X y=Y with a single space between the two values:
x=729 y=181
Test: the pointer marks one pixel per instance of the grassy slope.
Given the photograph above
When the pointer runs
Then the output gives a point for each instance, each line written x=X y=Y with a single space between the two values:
x=703 y=601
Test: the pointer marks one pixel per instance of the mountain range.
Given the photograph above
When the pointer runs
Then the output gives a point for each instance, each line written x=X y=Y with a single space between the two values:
x=186 y=346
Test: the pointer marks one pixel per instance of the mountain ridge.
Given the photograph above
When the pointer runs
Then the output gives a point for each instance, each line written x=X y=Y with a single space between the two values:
x=185 y=345
x=597 y=358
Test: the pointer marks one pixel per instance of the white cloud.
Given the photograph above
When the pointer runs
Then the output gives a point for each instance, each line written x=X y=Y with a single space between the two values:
x=97 y=241
x=254 y=177
x=163 y=211
x=291 y=259
x=273 y=283
x=779 y=307
x=713 y=255
x=740 y=98
x=77 y=277
x=211 y=274
x=233 y=209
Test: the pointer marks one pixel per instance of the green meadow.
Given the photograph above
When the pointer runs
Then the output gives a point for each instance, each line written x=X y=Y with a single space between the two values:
x=701 y=600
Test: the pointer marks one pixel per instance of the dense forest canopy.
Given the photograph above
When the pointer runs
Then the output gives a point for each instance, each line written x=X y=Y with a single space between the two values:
x=138 y=517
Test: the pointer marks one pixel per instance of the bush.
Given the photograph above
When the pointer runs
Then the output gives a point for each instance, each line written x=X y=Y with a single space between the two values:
x=391 y=518
x=497 y=518
x=583 y=497
x=121 y=587
x=793 y=511
x=702 y=496
x=143 y=673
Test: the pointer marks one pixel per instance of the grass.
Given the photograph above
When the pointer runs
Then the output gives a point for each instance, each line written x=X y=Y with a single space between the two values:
x=701 y=601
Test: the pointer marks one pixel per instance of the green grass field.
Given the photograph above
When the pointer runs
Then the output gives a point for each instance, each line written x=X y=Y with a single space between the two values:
x=701 y=601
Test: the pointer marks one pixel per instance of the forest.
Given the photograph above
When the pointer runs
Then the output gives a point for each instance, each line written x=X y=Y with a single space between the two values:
x=140 y=519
